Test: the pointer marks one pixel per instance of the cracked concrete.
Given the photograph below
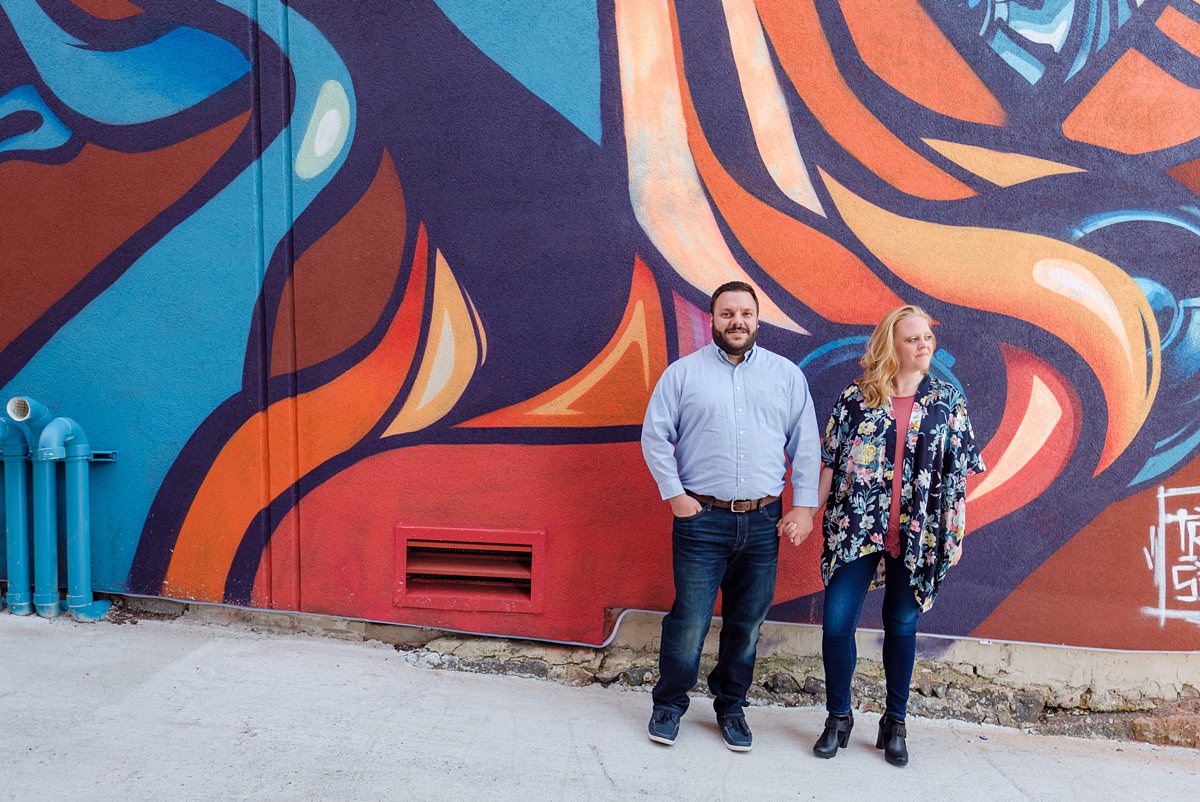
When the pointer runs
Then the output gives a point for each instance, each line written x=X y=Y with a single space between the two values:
x=1097 y=694
x=276 y=709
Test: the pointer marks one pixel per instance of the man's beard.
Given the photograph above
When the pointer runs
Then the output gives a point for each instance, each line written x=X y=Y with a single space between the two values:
x=724 y=345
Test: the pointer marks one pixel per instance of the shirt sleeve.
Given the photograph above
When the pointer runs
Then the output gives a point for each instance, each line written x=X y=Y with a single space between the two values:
x=803 y=446
x=835 y=433
x=963 y=438
x=660 y=433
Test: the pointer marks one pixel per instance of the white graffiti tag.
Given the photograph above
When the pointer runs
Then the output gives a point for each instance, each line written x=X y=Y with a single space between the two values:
x=1174 y=557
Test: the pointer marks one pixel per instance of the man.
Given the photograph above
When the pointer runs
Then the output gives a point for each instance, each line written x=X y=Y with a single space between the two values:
x=717 y=430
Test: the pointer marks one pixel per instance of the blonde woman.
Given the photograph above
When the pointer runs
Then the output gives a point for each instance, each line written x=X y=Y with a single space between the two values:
x=897 y=452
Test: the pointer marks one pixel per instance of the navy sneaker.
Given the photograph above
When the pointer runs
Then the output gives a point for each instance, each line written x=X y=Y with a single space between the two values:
x=736 y=732
x=664 y=726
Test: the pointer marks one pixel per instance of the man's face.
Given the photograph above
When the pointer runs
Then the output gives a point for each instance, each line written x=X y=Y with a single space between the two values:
x=735 y=322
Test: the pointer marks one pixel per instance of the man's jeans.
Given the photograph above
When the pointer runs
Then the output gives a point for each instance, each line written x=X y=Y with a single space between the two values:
x=843 y=606
x=737 y=553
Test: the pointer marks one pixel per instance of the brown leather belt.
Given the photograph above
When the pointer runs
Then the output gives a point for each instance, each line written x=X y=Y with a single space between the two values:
x=738 y=505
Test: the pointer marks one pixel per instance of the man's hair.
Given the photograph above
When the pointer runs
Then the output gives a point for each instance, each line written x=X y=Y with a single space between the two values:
x=731 y=286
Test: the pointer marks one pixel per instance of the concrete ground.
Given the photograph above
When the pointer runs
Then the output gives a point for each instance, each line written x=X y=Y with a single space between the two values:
x=168 y=710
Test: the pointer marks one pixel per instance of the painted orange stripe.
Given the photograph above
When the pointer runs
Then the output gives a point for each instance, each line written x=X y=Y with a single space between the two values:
x=1137 y=107
x=269 y=453
x=109 y=9
x=668 y=199
x=1181 y=29
x=794 y=28
x=922 y=63
x=814 y=268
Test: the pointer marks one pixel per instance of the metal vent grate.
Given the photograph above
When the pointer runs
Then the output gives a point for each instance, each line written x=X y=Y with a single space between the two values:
x=499 y=569
x=468 y=569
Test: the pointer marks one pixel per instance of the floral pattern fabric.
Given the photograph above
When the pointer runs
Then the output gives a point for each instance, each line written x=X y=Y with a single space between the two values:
x=939 y=454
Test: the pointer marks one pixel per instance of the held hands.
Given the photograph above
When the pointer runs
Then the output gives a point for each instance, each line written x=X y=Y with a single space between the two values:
x=796 y=525
x=684 y=506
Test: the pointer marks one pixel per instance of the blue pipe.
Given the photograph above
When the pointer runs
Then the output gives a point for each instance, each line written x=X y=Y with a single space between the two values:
x=36 y=417
x=64 y=439
x=45 y=540
x=14 y=451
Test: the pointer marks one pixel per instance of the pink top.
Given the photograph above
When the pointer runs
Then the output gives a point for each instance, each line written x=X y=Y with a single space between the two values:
x=901 y=411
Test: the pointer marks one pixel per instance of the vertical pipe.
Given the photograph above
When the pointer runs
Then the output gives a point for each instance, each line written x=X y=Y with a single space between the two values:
x=79 y=564
x=79 y=537
x=33 y=418
x=51 y=441
x=15 y=455
x=45 y=540
x=63 y=440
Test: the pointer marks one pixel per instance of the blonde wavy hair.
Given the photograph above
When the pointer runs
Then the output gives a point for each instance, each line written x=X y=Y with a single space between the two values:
x=881 y=363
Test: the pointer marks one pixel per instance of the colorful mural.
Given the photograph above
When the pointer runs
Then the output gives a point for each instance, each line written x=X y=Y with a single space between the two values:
x=370 y=301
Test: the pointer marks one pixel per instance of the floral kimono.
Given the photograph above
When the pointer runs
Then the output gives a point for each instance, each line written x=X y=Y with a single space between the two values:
x=939 y=455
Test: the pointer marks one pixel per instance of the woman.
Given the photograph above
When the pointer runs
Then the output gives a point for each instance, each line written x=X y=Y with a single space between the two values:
x=902 y=523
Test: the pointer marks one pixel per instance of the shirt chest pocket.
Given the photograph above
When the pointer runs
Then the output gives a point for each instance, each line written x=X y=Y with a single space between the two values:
x=705 y=411
x=771 y=408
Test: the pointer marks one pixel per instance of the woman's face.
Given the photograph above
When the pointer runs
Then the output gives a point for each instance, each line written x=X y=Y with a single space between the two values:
x=915 y=344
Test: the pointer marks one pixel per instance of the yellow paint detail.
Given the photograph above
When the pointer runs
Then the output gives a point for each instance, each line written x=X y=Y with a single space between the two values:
x=479 y=328
x=450 y=358
x=1071 y=293
x=999 y=167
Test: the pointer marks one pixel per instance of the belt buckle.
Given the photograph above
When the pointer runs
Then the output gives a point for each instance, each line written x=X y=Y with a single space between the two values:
x=733 y=505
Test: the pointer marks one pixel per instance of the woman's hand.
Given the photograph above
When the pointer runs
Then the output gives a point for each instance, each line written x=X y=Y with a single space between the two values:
x=796 y=525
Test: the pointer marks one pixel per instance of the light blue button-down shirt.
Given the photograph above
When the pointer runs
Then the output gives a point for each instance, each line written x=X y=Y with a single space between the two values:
x=729 y=431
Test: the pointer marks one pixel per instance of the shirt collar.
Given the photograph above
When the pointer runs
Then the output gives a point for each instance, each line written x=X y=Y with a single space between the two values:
x=724 y=357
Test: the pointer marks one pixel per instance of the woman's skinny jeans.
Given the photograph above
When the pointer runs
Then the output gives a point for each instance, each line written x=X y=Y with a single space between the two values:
x=843 y=605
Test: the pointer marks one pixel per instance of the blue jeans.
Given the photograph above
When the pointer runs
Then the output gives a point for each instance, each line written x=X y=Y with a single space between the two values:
x=843 y=605
x=737 y=553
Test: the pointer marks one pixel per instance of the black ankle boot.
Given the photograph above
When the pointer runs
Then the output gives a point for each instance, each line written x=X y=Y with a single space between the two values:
x=836 y=734
x=891 y=741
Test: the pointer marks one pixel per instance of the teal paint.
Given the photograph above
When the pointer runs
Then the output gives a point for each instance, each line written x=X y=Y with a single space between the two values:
x=553 y=49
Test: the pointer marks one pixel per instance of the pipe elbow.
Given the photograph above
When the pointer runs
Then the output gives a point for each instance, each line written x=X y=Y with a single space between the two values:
x=13 y=442
x=62 y=438
x=25 y=410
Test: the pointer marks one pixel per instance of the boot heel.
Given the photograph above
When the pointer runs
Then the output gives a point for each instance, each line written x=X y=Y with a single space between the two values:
x=892 y=737
x=834 y=737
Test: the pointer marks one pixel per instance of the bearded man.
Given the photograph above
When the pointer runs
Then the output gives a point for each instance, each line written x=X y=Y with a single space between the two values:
x=721 y=427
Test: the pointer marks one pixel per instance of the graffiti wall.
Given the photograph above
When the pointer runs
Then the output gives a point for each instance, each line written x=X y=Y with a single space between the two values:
x=370 y=298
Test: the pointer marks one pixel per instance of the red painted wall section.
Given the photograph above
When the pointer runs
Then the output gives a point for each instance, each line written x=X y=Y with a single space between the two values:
x=608 y=542
x=1112 y=559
